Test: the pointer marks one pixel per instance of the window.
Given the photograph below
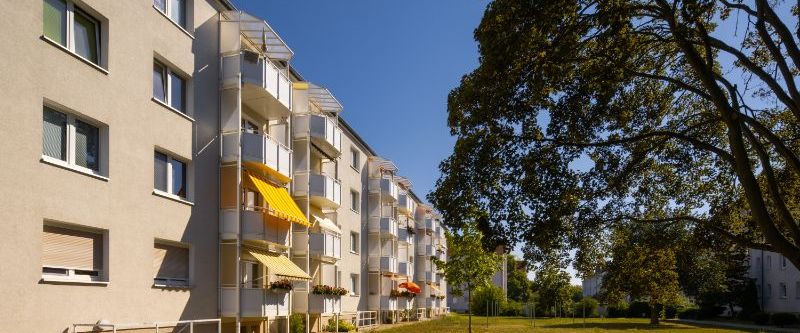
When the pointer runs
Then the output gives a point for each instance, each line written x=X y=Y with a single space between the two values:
x=251 y=274
x=784 y=293
x=783 y=262
x=71 y=141
x=355 y=160
x=171 y=265
x=354 y=290
x=252 y=200
x=71 y=254
x=168 y=87
x=73 y=28
x=769 y=291
x=769 y=263
x=175 y=10
x=355 y=201
x=170 y=175
x=354 y=242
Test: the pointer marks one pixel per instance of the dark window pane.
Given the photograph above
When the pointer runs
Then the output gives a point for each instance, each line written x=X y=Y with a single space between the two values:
x=177 y=93
x=178 y=178
x=159 y=84
x=161 y=5
x=87 y=145
x=86 y=36
x=54 y=134
x=55 y=20
x=160 y=172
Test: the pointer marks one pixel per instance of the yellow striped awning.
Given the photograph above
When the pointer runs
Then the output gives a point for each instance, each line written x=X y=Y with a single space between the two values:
x=278 y=264
x=280 y=203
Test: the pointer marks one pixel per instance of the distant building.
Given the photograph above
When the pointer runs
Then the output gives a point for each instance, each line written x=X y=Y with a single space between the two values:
x=591 y=286
x=777 y=281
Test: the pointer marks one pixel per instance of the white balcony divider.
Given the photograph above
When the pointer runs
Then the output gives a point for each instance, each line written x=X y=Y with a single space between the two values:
x=262 y=148
x=389 y=264
x=326 y=245
x=284 y=90
x=388 y=303
x=271 y=79
x=324 y=304
x=324 y=129
x=263 y=73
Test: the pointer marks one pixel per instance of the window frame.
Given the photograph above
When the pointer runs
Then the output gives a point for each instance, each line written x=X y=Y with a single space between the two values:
x=71 y=275
x=355 y=159
x=71 y=10
x=355 y=242
x=783 y=290
x=169 y=180
x=185 y=28
x=69 y=161
x=355 y=201
x=173 y=282
x=166 y=76
x=355 y=284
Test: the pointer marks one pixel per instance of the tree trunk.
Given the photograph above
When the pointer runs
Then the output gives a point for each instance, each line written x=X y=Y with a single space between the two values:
x=469 y=308
x=654 y=314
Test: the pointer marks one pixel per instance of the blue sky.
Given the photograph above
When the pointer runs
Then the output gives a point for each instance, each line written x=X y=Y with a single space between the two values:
x=390 y=63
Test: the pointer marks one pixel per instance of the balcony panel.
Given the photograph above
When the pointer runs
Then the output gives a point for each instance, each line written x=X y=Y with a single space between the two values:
x=228 y=302
x=405 y=268
x=424 y=250
x=323 y=191
x=386 y=226
x=404 y=236
x=284 y=90
x=276 y=303
x=326 y=246
x=388 y=303
x=324 y=304
x=389 y=264
x=299 y=242
x=229 y=226
x=387 y=189
x=405 y=204
x=265 y=88
x=265 y=150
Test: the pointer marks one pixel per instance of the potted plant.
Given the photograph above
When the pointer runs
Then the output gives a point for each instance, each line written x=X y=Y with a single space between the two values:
x=281 y=285
x=394 y=293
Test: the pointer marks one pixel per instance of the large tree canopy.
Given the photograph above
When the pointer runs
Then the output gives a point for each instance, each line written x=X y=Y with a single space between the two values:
x=583 y=115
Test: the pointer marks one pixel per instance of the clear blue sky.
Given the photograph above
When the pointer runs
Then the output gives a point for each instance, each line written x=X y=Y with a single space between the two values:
x=390 y=63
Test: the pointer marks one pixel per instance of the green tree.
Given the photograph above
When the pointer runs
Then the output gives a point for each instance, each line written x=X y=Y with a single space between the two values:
x=468 y=264
x=552 y=287
x=643 y=266
x=518 y=286
x=581 y=113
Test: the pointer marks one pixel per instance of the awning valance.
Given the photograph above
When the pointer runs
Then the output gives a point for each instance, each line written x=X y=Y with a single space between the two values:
x=278 y=264
x=411 y=286
x=280 y=203
x=324 y=222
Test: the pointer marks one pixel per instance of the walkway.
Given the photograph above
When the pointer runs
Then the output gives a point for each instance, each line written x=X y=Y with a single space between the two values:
x=736 y=325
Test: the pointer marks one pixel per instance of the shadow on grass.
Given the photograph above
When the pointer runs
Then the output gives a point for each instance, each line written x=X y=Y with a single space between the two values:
x=618 y=326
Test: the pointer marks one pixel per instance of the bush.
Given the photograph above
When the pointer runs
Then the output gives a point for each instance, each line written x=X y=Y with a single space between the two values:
x=689 y=313
x=297 y=323
x=760 y=318
x=618 y=310
x=511 y=309
x=491 y=296
x=587 y=304
x=672 y=311
x=344 y=326
x=782 y=319
x=639 y=310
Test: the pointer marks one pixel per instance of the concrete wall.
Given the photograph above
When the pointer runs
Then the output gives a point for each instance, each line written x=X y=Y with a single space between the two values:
x=771 y=270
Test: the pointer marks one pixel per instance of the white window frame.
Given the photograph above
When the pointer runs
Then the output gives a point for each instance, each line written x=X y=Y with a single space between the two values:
x=355 y=246
x=355 y=201
x=167 y=102
x=70 y=31
x=173 y=282
x=71 y=275
x=783 y=291
x=355 y=156
x=166 y=11
x=355 y=281
x=69 y=163
x=168 y=193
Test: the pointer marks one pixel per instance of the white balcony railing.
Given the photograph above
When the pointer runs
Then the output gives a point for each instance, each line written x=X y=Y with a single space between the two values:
x=322 y=129
x=326 y=245
x=323 y=190
x=386 y=264
x=324 y=304
x=387 y=226
x=424 y=250
x=405 y=268
x=254 y=302
x=262 y=73
x=386 y=187
x=264 y=149
x=428 y=224
x=388 y=303
x=405 y=204
x=404 y=236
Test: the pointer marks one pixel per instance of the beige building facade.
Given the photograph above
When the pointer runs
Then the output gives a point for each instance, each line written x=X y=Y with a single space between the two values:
x=185 y=174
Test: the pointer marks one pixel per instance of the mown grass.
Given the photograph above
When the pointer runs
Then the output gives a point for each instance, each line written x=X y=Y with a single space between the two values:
x=458 y=323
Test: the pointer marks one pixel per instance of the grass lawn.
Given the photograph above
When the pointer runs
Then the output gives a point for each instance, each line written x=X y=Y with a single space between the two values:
x=458 y=323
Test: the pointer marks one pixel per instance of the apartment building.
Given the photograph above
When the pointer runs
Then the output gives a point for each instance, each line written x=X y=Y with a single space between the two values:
x=777 y=281
x=185 y=174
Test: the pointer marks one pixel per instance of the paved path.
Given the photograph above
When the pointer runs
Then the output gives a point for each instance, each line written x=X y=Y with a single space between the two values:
x=737 y=325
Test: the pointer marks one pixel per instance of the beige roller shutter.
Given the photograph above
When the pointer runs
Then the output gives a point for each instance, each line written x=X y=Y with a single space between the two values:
x=68 y=248
x=170 y=262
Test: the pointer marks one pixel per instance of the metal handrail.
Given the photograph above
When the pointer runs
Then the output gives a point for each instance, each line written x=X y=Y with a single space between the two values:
x=156 y=325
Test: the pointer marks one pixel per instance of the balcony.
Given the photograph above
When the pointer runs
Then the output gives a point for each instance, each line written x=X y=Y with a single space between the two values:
x=264 y=86
x=387 y=189
x=404 y=303
x=389 y=303
x=430 y=276
x=405 y=268
x=255 y=302
x=254 y=227
x=427 y=224
x=386 y=226
x=323 y=131
x=258 y=148
x=404 y=236
x=405 y=204
x=324 y=304
x=385 y=264
x=326 y=246
x=323 y=191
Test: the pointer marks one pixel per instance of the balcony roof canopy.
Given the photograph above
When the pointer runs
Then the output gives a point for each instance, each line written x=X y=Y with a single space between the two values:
x=260 y=33
x=403 y=181
x=381 y=163
x=323 y=99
